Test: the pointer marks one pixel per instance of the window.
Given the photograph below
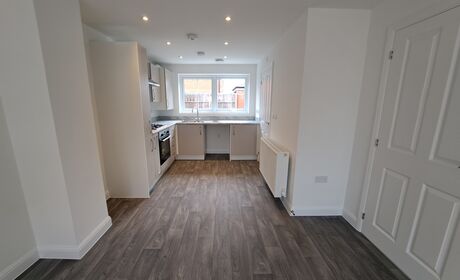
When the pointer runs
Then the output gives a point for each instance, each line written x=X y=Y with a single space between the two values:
x=197 y=93
x=213 y=93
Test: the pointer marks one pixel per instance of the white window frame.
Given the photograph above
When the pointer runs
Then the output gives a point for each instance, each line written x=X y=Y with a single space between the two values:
x=214 y=78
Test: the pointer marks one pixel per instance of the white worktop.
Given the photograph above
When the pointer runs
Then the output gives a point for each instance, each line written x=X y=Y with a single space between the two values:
x=169 y=123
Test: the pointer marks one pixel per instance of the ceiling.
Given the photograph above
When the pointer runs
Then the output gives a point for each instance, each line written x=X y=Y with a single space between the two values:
x=255 y=27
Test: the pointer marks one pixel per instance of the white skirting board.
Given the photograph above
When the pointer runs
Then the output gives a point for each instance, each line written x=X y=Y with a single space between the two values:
x=248 y=157
x=189 y=157
x=351 y=219
x=286 y=204
x=76 y=252
x=56 y=252
x=18 y=267
x=216 y=151
x=314 y=212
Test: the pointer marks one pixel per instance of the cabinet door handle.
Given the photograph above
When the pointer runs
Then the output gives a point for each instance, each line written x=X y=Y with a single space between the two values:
x=233 y=131
x=200 y=131
x=151 y=142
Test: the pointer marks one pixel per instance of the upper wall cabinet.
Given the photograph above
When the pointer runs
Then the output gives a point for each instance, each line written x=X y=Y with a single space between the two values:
x=163 y=97
x=154 y=82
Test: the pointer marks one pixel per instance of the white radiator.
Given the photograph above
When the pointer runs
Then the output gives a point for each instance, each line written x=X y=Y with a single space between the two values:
x=274 y=167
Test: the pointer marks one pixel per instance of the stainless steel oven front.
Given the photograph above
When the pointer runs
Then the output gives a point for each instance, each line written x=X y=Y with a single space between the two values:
x=164 y=138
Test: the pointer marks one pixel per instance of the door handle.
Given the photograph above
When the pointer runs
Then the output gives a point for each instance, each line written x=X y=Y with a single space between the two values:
x=233 y=131
x=151 y=142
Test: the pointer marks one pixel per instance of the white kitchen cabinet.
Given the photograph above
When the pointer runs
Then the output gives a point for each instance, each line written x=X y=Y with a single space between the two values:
x=120 y=78
x=190 y=141
x=154 y=82
x=154 y=72
x=153 y=158
x=156 y=170
x=243 y=142
x=172 y=130
x=164 y=100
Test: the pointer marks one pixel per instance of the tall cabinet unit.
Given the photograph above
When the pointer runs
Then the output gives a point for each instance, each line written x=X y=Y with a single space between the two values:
x=121 y=89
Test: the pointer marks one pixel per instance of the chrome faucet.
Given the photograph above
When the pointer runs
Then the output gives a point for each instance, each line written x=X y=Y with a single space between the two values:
x=197 y=119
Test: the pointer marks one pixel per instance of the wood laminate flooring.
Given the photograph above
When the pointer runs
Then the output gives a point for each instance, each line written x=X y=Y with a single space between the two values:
x=217 y=220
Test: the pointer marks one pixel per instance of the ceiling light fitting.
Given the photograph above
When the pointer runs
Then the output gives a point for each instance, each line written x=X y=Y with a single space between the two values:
x=192 y=36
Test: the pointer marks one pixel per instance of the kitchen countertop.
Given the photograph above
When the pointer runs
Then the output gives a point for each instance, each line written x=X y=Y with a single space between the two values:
x=220 y=122
x=167 y=124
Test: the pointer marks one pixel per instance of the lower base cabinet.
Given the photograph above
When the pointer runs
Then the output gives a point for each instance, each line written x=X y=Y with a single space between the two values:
x=243 y=142
x=155 y=170
x=190 y=142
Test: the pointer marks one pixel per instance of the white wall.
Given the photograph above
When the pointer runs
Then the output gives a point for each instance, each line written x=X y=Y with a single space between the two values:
x=46 y=99
x=334 y=62
x=91 y=34
x=16 y=236
x=288 y=60
x=384 y=15
x=212 y=69
x=30 y=121
x=61 y=37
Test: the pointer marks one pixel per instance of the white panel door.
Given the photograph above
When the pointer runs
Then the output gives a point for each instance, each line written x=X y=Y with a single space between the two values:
x=413 y=204
x=266 y=99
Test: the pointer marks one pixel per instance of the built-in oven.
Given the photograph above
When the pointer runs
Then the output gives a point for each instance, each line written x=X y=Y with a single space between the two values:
x=164 y=138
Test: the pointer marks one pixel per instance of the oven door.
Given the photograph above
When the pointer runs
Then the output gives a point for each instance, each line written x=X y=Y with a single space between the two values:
x=165 y=149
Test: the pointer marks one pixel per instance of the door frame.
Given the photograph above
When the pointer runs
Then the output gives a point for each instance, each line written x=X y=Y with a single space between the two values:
x=426 y=13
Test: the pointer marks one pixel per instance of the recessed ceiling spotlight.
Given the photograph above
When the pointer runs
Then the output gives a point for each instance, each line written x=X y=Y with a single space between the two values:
x=226 y=43
x=145 y=18
x=192 y=36
x=225 y=57
x=181 y=57
x=228 y=18
x=168 y=43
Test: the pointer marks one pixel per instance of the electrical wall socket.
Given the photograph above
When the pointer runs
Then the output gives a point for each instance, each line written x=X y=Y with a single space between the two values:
x=321 y=179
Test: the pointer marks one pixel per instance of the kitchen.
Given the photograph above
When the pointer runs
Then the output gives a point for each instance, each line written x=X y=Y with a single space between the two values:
x=202 y=131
